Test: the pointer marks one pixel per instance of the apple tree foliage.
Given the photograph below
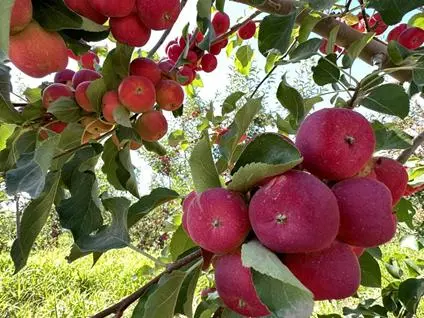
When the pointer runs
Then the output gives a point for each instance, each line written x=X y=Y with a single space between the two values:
x=59 y=174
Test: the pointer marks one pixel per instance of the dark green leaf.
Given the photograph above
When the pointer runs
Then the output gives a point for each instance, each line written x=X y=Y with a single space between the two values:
x=390 y=137
x=31 y=169
x=410 y=293
x=125 y=171
x=95 y=93
x=307 y=25
x=393 y=11
x=397 y=53
x=388 y=99
x=185 y=298
x=291 y=99
x=113 y=236
x=271 y=277
x=155 y=147
x=418 y=73
x=33 y=219
x=326 y=72
x=65 y=109
x=180 y=243
x=8 y=114
x=5 y=85
x=230 y=103
x=110 y=166
x=356 y=47
x=305 y=50
x=150 y=202
x=203 y=169
x=116 y=66
x=203 y=14
x=275 y=33
x=370 y=271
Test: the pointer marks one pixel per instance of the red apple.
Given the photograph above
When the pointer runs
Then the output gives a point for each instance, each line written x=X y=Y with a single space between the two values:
x=159 y=14
x=109 y=8
x=137 y=94
x=247 y=31
x=84 y=76
x=110 y=102
x=21 y=15
x=89 y=60
x=209 y=63
x=396 y=32
x=64 y=77
x=82 y=98
x=130 y=30
x=54 y=92
x=169 y=95
x=83 y=7
x=220 y=22
x=186 y=75
x=412 y=38
x=152 y=126
x=147 y=68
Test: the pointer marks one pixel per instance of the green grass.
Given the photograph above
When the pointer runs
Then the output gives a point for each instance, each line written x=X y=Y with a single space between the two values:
x=50 y=287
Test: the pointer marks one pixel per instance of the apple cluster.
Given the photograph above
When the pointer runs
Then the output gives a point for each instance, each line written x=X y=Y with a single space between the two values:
x=318 y=217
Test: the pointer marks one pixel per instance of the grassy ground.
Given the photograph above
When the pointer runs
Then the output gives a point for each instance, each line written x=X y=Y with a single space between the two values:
x=50 y=287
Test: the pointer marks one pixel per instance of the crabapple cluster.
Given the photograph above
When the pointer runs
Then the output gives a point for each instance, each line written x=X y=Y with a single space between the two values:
x=318 y=217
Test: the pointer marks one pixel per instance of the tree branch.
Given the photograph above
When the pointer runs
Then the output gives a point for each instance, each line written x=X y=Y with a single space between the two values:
x=345 y=37
x=236 y=27
x=407 y=153
x=121 y=306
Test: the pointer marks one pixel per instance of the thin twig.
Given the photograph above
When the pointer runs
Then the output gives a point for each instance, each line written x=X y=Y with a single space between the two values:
x=364 y=15
x=236 y=27
x=120 y=307
x=347 y=6
x=164 y=35
x=407 y=153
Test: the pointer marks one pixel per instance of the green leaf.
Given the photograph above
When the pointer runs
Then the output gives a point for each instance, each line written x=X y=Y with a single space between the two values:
x=332 y=38
x=397 y=53
x=388 y=99
x=230 y=103
x=356 y=47
x=18 y=143
x=370 y=271
x=150 y=202
x=305 y=50
x=162 y=302
x=417 y=20
x=8 y=114
x=141 y=305
x=418 y=72
x=122 y=116
x=33 y=219
x=307 y=25
x=113 y=236
x=5 y=85
x=31 y=169
x=238 y=127
x=155 y=147
x=266 y=156
x=180 y=243
x=203 y=169
x=5 y=13
x=405 y=212
x=205 y=309
x=275 y=33
x=285 y=126
x=110 y=166
x=410 y=293
x=271 y=60
x=393 y=11
x=271 y=277
x=243 y=61
x=390 y=137
x=125 y=171
x=95 y=93
x=176 y=137
x=204 y=15
x=220 y=4
x=394 y=269
x=326 y=72
x=6 y=131
x=116 y=66
x=185 y=298
x=66 y=110
x=291 y=99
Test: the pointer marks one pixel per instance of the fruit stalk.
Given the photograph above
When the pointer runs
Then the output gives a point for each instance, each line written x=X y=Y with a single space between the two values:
x=121 y=306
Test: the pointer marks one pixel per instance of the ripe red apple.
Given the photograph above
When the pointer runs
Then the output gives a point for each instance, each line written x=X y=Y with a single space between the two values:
x=332 y=273
x=323 y=47
x=209 y=63
x=137 y=94
x=130 y=30
x=192 y=57
x=396 y=32
x=21 y=15
x=56 y=126
x=37 y=52
x=159 y=14
x=186 y=204
x=110 y=102
x=89 y=60
x=84 y=76
x=335 y=143
x=108 y=8
x=186 y=75
x=412 y=38
x=54 y=92
x=393 y=175
x=82 y=98
x=166 y=66
x=146 y=67
x=220 y=22
x=377 y=24
x=169 y=95
x=64 y=77
x=294 y=213
x=247 y=31
x=366 y=217
x=83 y=7
x=234 y=284
x=218 y=220
x=152 y=126
x=174 y=52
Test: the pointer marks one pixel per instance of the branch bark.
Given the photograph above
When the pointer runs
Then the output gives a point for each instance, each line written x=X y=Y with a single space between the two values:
x=121 y=306
x=407 y=153
x=345 y=37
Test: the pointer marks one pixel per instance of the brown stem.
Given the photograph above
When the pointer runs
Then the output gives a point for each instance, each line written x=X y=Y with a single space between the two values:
x=407 y=153
x=236 y=27
x=347 y=6
x=364 y=15
x=164 y=35
x=345 y=37
x=121 y=306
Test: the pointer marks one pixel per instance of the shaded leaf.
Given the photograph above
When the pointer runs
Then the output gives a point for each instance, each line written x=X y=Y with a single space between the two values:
x=326 y=72
x=370 y=271
x=180 y=243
